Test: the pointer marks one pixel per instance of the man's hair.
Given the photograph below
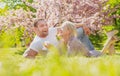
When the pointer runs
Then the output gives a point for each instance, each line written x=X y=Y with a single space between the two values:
x=36 y=21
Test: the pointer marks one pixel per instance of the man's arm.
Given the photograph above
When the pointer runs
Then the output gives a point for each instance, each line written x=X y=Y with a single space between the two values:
x=30 y=53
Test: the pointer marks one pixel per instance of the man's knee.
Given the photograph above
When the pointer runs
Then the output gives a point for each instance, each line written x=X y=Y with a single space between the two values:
x=80 y=32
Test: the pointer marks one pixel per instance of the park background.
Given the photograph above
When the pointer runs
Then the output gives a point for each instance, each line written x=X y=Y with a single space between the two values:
x=16 y=19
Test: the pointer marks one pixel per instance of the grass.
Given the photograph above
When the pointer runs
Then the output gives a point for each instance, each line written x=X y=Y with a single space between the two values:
x=13 y=64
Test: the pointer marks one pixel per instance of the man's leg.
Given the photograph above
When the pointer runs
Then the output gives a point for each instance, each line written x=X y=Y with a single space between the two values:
x=84 y=39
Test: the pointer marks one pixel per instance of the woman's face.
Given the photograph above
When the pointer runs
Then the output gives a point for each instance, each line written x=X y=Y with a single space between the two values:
x=63 y=34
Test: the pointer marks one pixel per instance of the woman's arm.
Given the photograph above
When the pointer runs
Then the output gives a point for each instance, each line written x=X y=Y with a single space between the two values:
x=79 y=25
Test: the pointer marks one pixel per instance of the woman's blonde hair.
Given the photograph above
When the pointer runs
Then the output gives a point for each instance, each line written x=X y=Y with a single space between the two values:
x=67 y=25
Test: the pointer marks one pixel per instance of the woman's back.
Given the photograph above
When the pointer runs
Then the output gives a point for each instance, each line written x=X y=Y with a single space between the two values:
x=75 y=47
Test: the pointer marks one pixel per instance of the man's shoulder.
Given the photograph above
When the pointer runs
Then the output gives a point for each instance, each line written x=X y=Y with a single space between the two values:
x=36 y=38
x=37 y=41
x=52 y=29
x=36 y=45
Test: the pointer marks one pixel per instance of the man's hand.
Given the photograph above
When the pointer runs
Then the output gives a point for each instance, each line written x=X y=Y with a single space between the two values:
x=31 y=54
x=47 y=44
x=86 y=30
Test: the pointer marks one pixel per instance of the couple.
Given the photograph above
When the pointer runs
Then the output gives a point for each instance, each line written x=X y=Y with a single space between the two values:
x=76 y=40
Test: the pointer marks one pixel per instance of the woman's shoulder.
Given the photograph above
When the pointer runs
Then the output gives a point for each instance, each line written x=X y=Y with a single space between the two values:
x=74 y=39
x=73 y=42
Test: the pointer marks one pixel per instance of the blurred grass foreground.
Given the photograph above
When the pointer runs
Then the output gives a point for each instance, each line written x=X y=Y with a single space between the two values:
x=13 y=64
x=16 y=19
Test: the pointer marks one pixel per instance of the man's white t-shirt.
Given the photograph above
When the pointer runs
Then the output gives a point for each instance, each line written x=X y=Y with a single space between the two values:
x=38 y=43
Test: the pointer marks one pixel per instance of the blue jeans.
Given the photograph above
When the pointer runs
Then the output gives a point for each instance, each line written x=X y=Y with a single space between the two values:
x=84 y=39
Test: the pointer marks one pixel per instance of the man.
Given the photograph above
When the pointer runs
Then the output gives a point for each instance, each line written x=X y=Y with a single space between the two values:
x=43 y=33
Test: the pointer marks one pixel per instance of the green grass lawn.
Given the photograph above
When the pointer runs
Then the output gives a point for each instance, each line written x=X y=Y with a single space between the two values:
x=13 y=64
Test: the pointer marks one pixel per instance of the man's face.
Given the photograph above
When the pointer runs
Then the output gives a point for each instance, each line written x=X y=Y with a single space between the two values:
x=42 y=29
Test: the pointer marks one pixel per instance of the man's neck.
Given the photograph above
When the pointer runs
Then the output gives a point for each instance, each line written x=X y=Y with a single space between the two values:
x=41 y=36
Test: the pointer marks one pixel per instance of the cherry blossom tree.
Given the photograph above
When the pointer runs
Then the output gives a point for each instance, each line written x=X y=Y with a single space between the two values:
x=91 y=13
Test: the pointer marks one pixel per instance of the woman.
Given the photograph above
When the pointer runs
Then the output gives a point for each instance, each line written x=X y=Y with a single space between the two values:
x=68 y=36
